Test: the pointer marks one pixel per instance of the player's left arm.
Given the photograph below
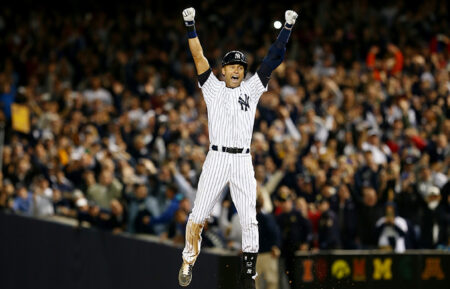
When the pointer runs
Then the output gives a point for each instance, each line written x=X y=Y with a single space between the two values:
x=277 y=50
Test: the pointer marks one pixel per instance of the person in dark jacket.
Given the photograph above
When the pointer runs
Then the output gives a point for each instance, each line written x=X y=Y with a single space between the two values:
x=295 y=231
x=435 y=222
x=117 y=218
x=345 y=210
x=369 y=212
x=367 y=175
x=269 y=248
x=329 y=237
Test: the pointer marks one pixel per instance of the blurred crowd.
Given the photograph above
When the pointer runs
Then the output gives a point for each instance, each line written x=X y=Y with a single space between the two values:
x=350 y=142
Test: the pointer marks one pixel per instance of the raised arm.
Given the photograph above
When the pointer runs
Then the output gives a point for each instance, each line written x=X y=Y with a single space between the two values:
x=201 y=63
x=277 y=50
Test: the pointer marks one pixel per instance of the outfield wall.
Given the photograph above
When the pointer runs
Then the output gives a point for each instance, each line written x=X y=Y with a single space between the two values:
x=39 y=254
x=44 y=254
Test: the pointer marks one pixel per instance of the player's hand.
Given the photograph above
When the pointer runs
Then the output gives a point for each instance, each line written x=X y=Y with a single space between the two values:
x=188 y=14
x=290 y=17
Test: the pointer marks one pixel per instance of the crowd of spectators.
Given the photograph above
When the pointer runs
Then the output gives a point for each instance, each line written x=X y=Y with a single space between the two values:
x=350 y=142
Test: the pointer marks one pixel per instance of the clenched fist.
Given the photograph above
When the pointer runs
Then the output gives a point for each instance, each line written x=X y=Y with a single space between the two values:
x=290 y=17
x=189 y=14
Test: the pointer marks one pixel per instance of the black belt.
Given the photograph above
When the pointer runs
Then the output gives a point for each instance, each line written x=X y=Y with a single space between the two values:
x=230 y=150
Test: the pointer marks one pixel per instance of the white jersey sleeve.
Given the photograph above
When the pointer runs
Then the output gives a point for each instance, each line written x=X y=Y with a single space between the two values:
x=254 y=87
x=211 y=87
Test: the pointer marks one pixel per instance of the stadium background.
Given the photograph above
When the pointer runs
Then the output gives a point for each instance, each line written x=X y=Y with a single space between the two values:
x=103 y=124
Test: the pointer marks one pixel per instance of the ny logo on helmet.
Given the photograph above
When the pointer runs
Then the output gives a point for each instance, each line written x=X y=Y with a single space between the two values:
x=244 y=103
x=237 y=56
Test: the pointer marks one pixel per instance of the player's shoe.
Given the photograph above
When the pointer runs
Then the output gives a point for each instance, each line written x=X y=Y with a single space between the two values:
x=247 y=283
x=185 y=274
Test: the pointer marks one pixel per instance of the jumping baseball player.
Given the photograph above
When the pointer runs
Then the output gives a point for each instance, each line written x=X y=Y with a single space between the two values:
x=231 y=106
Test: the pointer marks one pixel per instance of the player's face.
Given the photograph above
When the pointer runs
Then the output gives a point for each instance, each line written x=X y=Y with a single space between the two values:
x=234 y=74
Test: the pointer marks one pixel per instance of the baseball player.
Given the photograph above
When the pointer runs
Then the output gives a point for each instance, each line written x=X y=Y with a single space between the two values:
x=231 y=106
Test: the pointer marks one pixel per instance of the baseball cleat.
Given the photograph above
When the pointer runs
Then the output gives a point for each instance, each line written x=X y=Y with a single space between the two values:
x=247 y=283
x=185 y=274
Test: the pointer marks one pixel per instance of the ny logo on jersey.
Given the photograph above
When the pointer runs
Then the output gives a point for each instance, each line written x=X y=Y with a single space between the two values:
x=244 y=103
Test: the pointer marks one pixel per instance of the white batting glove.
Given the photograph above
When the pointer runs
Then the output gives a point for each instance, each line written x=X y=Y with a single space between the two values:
x=290 y=17
x=188 y=15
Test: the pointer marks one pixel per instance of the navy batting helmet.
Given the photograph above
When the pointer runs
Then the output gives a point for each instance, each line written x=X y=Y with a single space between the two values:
x=235 y=57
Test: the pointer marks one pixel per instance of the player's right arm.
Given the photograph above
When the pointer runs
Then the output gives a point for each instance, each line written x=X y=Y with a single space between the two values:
x=201 y=63
x=207 y=81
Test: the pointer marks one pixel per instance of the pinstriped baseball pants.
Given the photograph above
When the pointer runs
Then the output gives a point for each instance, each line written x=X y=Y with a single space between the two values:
x=219 y=170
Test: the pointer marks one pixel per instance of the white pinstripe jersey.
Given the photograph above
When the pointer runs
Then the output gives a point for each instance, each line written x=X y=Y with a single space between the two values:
x=231 y=111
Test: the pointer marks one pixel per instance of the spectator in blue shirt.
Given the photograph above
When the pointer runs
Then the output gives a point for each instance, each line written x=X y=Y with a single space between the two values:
x=7 y=95
x=23 y=203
